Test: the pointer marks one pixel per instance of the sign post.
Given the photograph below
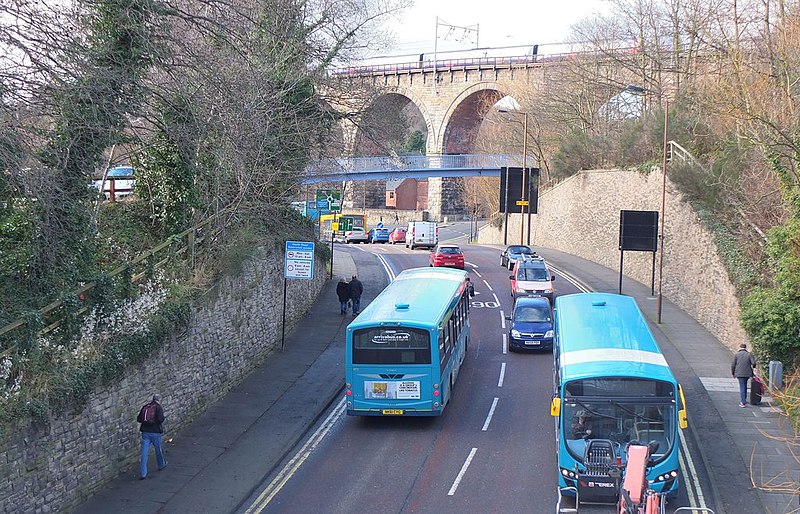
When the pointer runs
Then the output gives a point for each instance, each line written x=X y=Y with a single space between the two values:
x=298 y=263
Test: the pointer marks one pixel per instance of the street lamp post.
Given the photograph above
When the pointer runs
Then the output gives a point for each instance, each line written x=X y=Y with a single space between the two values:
x=524 y=173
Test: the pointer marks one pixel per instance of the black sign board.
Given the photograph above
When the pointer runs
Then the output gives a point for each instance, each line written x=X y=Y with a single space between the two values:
x=638 y=231
x=511 y=199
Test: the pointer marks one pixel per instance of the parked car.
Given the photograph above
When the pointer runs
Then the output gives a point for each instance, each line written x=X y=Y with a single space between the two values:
x=447 y=255
x=120 y=178
x=378 y=235
x=532 y=278
x=531 y=325
x=357 y=235
x=397 y=235
x=512 y=253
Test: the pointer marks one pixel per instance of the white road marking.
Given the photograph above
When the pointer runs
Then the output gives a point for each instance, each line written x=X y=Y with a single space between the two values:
x=389 y=271
x=489 y=417
x=502 y=375
x=505 y=344
x=294 y=464
x=462 y=472
x=502 y=320
x=701 y=500
x=487 y=285
x=473 y=265
x=496 y=299
x=481 y=276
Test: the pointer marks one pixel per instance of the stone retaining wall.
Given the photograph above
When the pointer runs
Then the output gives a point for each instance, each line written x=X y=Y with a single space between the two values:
x=233 y=328
x=580 y=216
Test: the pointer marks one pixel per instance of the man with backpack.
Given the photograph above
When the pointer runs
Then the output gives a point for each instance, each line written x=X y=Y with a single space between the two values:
x=151 y=417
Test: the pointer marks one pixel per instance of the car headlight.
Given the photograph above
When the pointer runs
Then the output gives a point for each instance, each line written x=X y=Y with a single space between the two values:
x=548 y=289
x=548 y=334
x=515 y=333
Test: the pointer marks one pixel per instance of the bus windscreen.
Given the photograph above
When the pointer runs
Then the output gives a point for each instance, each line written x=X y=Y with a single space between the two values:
x=395 y=345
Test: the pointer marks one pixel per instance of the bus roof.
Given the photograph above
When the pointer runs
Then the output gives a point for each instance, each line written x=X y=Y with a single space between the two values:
x=604 y=334
x=420 y=295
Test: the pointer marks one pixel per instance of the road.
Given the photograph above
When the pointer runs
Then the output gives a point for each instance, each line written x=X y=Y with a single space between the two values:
x=493 y=450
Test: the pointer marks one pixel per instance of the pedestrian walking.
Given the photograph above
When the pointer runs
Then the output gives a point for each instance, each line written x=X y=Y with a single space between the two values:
x=151 y=417
x=343 y=292
x=742 y=369
x=355 y=289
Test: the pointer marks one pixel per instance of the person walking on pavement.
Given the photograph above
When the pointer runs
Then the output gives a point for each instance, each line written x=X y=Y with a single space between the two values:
x=355 y=289
x=151 y=417
x=742 y=369
x=343 y=292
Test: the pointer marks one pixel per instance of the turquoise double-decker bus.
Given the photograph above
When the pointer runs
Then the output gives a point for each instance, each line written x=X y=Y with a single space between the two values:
x=405 y=349
x=612 y=386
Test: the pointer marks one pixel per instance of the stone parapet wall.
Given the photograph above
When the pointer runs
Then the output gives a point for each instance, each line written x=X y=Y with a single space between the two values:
x=233 y=328
x=580 y=216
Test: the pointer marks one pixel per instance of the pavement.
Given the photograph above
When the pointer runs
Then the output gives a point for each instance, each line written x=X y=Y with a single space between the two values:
x=228 y=452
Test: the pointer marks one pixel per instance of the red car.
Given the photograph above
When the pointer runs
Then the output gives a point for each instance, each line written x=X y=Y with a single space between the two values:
x=398 y=235
x=447 y=255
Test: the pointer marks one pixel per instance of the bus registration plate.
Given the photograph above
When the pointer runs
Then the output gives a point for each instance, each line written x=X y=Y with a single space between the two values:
x=393 y=412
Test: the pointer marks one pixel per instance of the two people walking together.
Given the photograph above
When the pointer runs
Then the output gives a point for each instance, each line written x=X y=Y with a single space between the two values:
x=349 y=293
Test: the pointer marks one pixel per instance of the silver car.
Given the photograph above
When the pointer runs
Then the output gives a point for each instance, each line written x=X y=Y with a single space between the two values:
x=357 y=235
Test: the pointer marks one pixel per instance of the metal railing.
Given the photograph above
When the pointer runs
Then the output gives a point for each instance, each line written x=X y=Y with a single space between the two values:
x=415 y=162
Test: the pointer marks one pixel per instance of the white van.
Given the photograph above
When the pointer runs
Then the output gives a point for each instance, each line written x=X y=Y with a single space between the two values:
x=422 y=234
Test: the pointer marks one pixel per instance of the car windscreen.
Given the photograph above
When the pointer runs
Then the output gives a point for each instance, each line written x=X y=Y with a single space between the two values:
x=449 y=250
x=520 y=250
x=396 y=345
x=531 y=274
x=532 y=313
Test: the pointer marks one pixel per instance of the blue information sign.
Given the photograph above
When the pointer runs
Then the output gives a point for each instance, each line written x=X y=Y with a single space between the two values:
x=299 y=261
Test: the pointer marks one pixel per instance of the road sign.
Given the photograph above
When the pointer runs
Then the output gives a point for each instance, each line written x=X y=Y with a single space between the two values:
x=328 y=199
x=299 y=260
x=345 y=223
x=522 y=202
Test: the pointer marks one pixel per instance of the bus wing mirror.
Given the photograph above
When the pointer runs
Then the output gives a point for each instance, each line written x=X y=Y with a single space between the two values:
x=683 y=422
x=552 y=277
x=508 y=318
x=555 y=407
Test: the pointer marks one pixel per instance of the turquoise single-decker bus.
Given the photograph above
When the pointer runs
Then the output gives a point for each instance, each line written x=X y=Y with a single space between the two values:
x=612 y=385
x=404 y=351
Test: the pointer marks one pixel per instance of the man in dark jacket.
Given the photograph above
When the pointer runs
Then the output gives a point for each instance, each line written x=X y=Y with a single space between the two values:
x=343 y=292
x=356 y=289
x=152 y=432
x=742 y=370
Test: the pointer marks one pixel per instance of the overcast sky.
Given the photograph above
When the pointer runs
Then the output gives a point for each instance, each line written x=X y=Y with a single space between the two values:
x=499 y=23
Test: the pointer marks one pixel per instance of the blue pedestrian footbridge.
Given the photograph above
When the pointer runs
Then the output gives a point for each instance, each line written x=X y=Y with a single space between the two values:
x=411 y=166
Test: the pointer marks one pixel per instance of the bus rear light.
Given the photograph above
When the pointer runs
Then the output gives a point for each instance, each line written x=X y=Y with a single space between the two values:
x=348 y=393
x=436 y=393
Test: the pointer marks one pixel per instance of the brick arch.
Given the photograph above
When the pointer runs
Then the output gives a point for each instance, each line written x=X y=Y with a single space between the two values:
x=464 y=115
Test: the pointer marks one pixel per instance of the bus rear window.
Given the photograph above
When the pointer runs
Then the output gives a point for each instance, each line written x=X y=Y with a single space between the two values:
x=395 y=345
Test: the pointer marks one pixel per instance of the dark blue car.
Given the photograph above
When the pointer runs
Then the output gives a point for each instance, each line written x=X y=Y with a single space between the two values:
x=531 y=324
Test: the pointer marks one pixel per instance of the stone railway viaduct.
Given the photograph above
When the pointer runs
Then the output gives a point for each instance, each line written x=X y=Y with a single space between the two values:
x=452 y=98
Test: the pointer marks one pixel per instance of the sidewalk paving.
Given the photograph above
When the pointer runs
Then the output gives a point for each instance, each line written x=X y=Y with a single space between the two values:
x=230 y=449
